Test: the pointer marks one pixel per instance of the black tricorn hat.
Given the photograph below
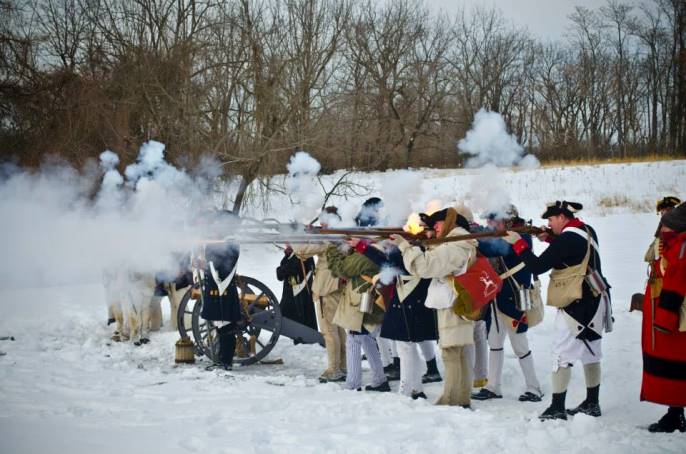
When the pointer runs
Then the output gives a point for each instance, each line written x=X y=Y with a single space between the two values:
x=675 y=219
x=561 y=207
x=666 y=203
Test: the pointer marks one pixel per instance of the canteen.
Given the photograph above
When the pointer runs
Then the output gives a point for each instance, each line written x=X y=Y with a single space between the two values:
x=367 y=302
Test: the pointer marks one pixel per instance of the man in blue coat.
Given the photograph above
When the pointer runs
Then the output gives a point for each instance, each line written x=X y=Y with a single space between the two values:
x=504 y=318
x=579 y=324
x=221 y=306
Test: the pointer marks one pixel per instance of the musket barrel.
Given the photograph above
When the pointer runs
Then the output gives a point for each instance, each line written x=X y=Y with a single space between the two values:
x=320 y=235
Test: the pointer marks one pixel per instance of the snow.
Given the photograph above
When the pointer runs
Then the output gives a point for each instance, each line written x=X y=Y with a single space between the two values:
x=64 y=387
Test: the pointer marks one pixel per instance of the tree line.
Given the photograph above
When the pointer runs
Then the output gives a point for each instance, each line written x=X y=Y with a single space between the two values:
x=359 y=84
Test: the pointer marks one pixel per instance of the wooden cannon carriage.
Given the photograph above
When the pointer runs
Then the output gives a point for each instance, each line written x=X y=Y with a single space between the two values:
x=260 y=328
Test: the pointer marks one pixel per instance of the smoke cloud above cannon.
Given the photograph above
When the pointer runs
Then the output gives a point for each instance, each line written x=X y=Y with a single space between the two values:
x=490 y=147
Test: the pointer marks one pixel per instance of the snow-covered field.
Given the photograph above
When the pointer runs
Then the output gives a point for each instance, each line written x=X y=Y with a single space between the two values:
x=64 y=387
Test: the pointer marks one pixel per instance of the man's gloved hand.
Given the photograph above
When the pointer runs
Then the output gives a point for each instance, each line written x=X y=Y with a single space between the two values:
x=399 y=241
x=544 y=235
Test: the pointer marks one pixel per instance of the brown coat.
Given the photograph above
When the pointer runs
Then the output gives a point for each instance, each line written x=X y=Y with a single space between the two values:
x=324 y=283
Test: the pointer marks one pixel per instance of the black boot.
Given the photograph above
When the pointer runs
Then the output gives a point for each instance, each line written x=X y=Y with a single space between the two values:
x=227 y=346
x=392 y=371
x=672 y=421
x=383 y=387
x=590 y=406
x=432 y=375
x=419 y=395
x=556 y=409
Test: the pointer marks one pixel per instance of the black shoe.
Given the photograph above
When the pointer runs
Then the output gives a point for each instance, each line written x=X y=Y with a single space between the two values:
x=392 y=372
x=331 y=380
x=144 y=340
x=486 y=394
x=530 y=397
x=334 y=379
x=431 y=378
x=382 y=388
x=553 y=413
x=669 y=423
x=110 y=321
x=218 y=366
x=587 y=408
x=419 y=395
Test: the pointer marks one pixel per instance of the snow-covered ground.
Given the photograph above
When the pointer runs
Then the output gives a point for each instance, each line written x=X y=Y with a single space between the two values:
x=64 y=387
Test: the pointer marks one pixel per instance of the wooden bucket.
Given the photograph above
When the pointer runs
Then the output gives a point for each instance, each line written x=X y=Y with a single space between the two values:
x=185 y=351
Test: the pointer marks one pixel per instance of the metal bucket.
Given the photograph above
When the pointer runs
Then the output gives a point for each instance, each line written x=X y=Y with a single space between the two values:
x=367 y=302
x=524 y=301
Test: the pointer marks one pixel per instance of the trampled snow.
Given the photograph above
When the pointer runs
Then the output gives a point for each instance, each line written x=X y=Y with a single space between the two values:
x=65 y=387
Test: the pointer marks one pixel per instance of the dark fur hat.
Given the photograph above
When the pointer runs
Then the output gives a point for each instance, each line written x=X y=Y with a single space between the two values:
x=332 y=210
x=369 y=213
x=441 y=215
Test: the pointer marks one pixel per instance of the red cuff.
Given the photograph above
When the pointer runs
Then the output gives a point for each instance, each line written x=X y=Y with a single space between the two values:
x=362 y=246
x=520 y=246
x=669 y=321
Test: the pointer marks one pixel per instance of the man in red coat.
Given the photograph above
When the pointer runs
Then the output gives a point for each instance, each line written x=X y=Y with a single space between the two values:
x=664 y=346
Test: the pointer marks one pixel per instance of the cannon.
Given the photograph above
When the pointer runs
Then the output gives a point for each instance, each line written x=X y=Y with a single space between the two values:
x=260 y=328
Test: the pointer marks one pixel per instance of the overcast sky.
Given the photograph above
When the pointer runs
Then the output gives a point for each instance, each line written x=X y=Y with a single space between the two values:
x=547 y=19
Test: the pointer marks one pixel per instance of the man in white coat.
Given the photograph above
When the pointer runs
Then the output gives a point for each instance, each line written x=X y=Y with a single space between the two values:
x=441 y=262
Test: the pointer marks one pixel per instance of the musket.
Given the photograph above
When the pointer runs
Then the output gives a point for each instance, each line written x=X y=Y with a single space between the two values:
x=385 y=232
x=277 y=239
x=486 y=234
x=364 y=232
x=321 y=235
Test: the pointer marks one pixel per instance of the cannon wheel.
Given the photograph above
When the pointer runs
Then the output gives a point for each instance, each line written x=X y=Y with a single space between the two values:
x=258 y=333
x=184 y=318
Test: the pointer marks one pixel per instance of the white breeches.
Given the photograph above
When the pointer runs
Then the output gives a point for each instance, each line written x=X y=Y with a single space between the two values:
x=567 y=349
x=520 y=345
x=411 y=368
x=386 y=349
x=428 y=349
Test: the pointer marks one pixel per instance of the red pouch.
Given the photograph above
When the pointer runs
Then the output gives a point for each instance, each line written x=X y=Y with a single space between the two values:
x=478 y=286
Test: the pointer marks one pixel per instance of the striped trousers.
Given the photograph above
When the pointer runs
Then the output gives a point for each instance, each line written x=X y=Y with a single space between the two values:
x=354 y=344
x=477 y=353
